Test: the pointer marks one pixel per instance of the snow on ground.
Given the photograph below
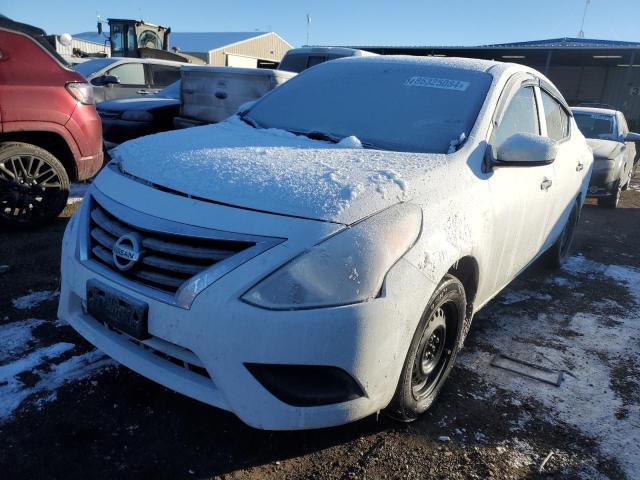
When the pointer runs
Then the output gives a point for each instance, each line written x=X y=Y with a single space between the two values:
x=37 y=374
x=15 y=336
x=598 y=348
x=77 y=192
x=33 y=299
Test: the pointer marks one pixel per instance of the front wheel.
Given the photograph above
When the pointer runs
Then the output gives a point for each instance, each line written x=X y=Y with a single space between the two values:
x=34 y=185
x=432 y=352
x=613 y=200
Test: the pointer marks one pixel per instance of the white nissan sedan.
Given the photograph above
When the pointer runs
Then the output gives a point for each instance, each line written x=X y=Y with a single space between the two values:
x=319 y=257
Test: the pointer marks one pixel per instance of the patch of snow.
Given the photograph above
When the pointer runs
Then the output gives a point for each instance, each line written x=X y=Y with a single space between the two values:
x=511 y=297
x=77 y=192
x=586 y=399
x=13 y=391
x=15 y=337
x=33 y=299
x=350 y=142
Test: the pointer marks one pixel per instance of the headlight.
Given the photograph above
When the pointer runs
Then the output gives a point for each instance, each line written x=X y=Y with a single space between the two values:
x=348 y=267
x=137 y=116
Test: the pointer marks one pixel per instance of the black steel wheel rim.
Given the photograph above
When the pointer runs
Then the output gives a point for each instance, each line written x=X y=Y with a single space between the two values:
x=30 y=188
x=434 y=352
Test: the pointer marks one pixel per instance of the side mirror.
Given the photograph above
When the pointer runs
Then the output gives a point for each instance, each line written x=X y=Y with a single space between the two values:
x=632 y=137
x=105 y=80
x=526 y=150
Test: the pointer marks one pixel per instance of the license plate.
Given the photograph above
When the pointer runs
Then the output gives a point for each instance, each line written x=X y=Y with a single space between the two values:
x=117 y=310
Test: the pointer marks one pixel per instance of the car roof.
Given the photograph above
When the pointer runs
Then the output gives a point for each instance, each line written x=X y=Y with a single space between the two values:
x=337 y=50
x=154 y=61
x=488 y=66
x=601 y=111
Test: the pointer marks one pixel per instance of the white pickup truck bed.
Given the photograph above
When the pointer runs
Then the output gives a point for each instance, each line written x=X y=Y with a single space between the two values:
x=212 y=94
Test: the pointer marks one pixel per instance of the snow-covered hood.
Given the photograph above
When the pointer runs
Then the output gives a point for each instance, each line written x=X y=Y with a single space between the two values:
x=604 y=148
x=275 y=171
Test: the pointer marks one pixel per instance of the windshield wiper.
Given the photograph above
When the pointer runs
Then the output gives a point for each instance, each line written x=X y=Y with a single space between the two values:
x=248 y=121
x=317 y=135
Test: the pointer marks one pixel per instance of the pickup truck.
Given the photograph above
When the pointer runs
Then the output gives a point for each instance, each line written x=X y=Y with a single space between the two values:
x=213 y=94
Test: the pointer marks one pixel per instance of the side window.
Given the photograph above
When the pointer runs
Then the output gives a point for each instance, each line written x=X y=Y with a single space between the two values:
x=163 y=75
x=555 y=116
x=129 y=73
x=521 y=116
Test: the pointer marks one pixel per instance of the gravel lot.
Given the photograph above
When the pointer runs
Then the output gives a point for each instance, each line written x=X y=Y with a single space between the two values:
x=68 y=412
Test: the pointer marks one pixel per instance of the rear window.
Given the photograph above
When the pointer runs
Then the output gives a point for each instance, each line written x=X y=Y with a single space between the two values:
x=413 y=107
x=596 y=125
x=293 y=63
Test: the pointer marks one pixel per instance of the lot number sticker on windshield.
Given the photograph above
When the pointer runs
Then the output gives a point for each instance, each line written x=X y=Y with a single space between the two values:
x=442 y=83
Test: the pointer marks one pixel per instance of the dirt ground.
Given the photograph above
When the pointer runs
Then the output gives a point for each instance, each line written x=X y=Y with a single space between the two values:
x=68 y=412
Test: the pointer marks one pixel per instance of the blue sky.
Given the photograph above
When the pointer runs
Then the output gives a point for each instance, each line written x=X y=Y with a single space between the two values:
x=353 y=22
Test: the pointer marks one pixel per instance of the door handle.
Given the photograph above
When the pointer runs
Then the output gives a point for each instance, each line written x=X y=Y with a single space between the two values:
x=546 y=184
x=143 y=92
x=579 y=167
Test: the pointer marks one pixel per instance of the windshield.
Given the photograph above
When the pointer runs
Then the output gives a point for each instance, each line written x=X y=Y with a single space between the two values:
x=90 y=67
x=402 y=106
x=172 y=91
x=596 y=125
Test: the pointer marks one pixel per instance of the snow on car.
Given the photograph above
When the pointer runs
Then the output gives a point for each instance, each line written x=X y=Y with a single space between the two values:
x=319 y=257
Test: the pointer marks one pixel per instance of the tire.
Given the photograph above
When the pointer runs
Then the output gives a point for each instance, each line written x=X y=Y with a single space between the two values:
x=432 y=352
x=34 y=186
x=557 y=255
x=613 y=200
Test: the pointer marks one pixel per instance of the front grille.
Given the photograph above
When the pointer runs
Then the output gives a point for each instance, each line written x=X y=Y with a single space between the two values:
x=167 y=260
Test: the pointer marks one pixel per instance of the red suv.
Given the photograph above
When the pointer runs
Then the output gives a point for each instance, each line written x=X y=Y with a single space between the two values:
x=50 y=133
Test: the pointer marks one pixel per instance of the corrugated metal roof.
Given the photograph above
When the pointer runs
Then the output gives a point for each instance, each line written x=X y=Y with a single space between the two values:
x=565 y=42
x=186 y=41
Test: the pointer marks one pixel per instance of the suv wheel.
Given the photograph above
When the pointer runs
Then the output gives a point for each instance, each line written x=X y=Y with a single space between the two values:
x=34 y=186
x=432 y=352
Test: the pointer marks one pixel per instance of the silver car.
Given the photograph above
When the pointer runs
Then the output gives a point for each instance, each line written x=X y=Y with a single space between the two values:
x=614 y=151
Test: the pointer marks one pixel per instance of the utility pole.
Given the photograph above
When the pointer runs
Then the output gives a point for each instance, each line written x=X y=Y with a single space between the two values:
x=308 y=27
x=584 y=15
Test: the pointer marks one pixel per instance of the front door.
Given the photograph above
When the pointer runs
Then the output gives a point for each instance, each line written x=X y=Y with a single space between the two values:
x=132 y=81
x=521 y=195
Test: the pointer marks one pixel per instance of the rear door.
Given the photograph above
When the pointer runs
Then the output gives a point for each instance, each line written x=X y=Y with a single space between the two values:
x=132 y=78
x=568 y=166
x=521 y=195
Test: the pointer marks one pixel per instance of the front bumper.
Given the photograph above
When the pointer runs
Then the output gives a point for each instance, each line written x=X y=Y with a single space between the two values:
x=219 y=334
